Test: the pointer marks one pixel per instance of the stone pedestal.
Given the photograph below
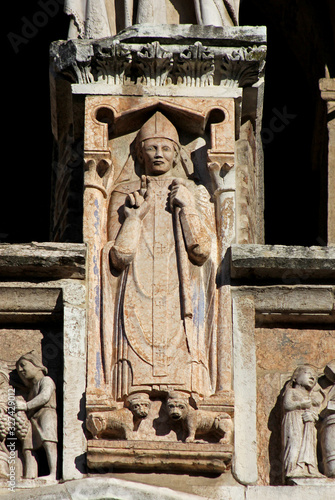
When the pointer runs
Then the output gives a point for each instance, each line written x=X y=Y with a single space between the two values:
x=166 y=456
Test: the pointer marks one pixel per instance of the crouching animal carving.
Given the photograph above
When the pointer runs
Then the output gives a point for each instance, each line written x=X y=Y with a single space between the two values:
x=121 y=423
x=199 y=422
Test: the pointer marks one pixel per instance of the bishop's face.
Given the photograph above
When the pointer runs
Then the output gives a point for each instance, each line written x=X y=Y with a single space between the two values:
x=158 y=155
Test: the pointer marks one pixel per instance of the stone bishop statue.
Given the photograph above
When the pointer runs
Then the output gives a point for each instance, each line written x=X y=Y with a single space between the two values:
x=102 y=18
x=159 y=276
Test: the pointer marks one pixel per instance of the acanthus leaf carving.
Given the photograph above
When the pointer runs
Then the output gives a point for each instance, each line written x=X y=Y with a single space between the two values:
x=155 y=64
x=196 y=66
x=113 y=63
x=242 y=67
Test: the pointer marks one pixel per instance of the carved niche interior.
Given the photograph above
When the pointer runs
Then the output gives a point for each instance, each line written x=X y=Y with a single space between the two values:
x=158 y=219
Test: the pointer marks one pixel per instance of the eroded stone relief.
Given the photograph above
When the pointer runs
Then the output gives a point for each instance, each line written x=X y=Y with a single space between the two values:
x=161 y=236
x=164 y=378
x=159 y=298
x=301 y=403
x=156 y=64
x=328 y=423
x=308 y=425
x=36 y=418
x=100 y=18
x=122 y=423
x=199 y=423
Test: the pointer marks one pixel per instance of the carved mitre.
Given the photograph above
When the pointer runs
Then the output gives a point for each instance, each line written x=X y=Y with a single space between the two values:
x=158 y=126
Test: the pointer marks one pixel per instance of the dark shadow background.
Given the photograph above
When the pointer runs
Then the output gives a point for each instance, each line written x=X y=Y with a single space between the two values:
x=301 y=41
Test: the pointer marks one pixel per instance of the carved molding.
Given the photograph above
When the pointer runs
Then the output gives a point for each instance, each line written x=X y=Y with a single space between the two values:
x=243 y=67
x=114 y=68
x=154 y=64
x=157 y=64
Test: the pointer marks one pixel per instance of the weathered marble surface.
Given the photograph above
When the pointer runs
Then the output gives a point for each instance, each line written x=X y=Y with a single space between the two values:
x=47 y=314
x=159 y=243
x=327 y=432
x=327 y=87
x=40 y=428
x=42 y=260
x=302 y=399
x=114 y=488
x=293 y=264
x=100 y=18
x=183 y=55
x=278 y=350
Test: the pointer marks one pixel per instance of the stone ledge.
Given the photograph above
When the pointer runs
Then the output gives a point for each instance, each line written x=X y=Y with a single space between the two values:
x=210 y=458
x=190 y=33
x=43 y=260
x=284 y=262
x=93 y=488
x=316 y=492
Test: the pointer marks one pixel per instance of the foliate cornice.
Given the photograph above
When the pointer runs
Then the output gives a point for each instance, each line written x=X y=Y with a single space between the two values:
x=154 y=61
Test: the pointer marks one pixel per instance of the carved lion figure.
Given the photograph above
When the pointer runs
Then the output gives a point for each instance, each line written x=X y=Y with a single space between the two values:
x=199 y=422
x=120 y=423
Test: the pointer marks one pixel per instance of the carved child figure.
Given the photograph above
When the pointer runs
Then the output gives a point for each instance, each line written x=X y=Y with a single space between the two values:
x=301 y=402
x=199 y=422
x=41 y=411
x=120 y=423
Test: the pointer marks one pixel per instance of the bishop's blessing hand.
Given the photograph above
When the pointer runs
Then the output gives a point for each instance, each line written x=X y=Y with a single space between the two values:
x=138 y=203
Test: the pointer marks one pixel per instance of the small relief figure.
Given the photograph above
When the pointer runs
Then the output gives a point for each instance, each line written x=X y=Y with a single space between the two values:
x=40 y=409
x=199 y=423
x=121 y=423
x=328 y=424
x=301 y=402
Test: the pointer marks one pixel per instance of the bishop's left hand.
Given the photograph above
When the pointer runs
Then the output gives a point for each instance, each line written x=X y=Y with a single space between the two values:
x=180 y=195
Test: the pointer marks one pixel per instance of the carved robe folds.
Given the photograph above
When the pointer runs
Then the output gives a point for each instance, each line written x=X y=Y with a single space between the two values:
x=159 y=293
